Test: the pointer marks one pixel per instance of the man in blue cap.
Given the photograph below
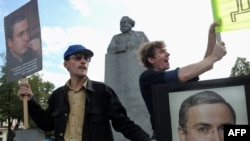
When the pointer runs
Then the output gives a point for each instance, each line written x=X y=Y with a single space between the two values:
x=82 y=109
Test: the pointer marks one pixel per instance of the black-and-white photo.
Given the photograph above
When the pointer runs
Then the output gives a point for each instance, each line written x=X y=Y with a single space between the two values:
x=200 y=105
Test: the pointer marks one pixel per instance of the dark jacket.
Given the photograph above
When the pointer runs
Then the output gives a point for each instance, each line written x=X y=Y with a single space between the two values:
x=102 y=106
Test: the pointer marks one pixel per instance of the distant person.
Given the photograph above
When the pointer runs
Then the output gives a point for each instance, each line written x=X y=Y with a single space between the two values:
x=128 y=39
x=21 y=47
x=82 y=109
x=155 y=59
x=202 y=116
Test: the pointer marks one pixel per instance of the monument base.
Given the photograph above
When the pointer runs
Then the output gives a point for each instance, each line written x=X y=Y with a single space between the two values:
x=29 y=135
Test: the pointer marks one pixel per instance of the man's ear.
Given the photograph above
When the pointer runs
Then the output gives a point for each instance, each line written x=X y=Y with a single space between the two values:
x=65 y=64
x=10 y=43
x=181 y=133
x=151 y=60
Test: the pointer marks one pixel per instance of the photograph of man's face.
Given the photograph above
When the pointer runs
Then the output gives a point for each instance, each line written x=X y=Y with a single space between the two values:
x=206 y=121
x=23 y=42
x=201 y=118
x=18 y=43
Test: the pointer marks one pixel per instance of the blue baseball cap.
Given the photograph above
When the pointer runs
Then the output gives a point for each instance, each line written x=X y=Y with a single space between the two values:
x=77 y=49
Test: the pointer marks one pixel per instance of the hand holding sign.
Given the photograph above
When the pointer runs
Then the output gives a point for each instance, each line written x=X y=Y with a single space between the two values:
x=35 y=45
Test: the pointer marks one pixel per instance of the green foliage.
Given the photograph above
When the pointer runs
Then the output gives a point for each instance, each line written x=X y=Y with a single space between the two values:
x=241 y=67
x=40 y=89
x=11 y=107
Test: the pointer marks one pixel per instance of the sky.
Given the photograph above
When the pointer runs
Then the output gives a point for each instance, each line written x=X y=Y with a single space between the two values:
x=181 y=24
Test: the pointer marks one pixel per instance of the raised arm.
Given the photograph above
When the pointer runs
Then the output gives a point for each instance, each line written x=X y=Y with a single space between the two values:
x=190 y=71
x=211 y=39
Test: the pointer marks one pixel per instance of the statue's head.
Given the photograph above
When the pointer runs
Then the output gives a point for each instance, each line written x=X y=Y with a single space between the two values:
x=126 y=24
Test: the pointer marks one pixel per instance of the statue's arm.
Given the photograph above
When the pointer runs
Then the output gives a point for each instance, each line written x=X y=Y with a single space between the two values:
x=145 y=38
x=116 y=46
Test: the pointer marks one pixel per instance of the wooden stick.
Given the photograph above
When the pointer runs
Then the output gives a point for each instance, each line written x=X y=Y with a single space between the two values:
x=25 y=107
x=25 y=112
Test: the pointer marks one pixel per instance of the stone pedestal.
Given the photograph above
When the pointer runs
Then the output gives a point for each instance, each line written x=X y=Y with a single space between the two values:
x=29 y=135
x=122 y=71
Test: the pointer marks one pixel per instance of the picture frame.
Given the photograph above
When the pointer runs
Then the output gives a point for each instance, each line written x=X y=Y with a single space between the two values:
x=167 y=99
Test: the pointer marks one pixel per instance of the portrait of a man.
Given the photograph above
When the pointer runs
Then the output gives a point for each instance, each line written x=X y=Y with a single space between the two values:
x=202 y=114
x=23 y=42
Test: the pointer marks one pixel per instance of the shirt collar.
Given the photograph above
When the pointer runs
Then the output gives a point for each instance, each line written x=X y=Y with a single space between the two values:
x=84 y=85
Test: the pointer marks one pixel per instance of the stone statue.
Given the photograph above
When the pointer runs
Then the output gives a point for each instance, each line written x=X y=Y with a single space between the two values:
x=122 y=70
x=128 y=39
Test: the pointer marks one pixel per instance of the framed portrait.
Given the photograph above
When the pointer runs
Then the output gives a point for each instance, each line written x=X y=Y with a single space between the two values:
x=23 y=41
x=167 y=99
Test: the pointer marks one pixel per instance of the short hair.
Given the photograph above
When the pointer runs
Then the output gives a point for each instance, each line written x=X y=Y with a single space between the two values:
x=10 y=24
x=147 y=50
x=131 y=21
x=204 y=97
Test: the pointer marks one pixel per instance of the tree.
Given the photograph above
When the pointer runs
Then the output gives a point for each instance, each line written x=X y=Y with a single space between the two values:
x=40 y=89
x=241 y=67
x=11 y=106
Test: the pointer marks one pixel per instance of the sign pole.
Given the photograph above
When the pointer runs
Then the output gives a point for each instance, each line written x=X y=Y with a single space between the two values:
x=25 y=106
x=218 y=37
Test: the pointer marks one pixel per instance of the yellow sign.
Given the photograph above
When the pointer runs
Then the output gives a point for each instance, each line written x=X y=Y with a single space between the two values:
x=233 y=14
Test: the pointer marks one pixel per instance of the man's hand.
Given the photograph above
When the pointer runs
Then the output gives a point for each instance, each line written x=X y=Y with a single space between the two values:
x=219 y=50
x=35 y=45
x=211 y=31
x=211 y=39
x=24 y=90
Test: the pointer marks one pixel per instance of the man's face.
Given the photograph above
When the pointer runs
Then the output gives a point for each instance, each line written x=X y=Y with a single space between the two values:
x=205 y=123
x=77 y=65
x=125 y=25
x=160 y=61
x=21 y=36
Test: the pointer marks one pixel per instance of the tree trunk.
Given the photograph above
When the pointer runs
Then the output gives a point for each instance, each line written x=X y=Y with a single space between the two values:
x=10 y=134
